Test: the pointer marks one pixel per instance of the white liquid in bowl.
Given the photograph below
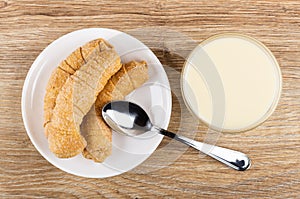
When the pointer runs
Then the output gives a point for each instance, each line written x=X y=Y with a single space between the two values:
x=242 y=75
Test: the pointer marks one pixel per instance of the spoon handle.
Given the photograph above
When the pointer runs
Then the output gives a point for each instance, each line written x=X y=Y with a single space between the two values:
x=234 y=159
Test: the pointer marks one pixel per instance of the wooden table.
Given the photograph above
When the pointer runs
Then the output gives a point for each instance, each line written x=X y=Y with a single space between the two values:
x=27 y=27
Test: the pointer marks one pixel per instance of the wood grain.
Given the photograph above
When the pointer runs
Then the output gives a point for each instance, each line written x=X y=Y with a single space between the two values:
x=27 y=27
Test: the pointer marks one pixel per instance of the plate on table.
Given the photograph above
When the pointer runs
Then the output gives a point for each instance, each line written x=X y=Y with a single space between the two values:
x=154 y=96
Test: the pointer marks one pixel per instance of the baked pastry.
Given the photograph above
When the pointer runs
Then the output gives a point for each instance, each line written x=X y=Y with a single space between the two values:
x=76 y=92
x=97 y=134
x=64 y=70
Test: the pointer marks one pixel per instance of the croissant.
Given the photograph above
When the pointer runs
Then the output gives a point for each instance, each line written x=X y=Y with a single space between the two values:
x=72 y=90
x=97 y=134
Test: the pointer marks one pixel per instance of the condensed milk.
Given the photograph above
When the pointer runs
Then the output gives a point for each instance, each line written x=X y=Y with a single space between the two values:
x=231 y=82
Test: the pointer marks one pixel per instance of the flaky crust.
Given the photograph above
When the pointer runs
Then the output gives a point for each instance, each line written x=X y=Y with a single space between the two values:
x=92 y=66
x=97 y=134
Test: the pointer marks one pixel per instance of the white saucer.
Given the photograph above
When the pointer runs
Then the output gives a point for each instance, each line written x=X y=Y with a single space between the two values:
x=154 y=97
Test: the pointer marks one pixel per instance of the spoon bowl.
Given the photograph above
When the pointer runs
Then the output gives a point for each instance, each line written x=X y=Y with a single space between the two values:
x=126 y=118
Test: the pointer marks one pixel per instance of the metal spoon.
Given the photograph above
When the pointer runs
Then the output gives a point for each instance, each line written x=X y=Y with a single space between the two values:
x=130 y=119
